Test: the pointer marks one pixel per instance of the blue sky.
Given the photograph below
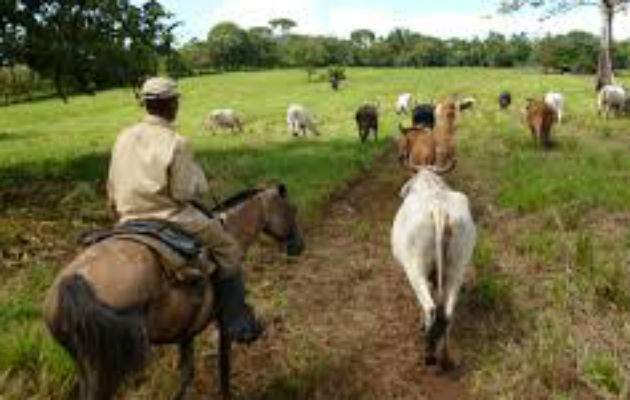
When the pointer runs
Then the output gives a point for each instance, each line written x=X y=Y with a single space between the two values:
x=446 y=18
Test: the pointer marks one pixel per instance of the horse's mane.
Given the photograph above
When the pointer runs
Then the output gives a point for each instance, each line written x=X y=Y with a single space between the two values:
x=236 y=199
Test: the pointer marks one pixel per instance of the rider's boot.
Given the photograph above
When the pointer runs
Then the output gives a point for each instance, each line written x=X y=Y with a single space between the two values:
x=235 y=316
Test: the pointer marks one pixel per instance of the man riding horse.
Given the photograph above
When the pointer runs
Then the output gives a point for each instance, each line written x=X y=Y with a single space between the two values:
x=153 y=176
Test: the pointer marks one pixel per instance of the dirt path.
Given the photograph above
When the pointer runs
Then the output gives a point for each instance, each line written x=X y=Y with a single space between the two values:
x=344 y=321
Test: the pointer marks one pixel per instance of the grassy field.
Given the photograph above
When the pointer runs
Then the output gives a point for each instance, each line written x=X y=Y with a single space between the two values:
x=552 y=255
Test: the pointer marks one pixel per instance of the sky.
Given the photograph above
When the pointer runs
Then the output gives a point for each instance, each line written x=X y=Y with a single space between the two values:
x=444 y=19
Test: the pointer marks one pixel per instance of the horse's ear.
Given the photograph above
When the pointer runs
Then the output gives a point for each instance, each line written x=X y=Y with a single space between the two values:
x=282 y=189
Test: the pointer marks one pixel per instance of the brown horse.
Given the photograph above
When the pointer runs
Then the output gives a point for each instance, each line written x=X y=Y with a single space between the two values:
x=113 y=301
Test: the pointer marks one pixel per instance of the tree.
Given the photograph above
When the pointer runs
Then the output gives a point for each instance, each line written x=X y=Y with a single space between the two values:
x=229 y=46
x=363 y=38
x=85 y=46
x=285 y=25
x=196 y=55
x=338 y=51
x=264 y=50
x=497 y=51
x=311 y=54
x=544 y=52
x=575 y=52
x=607 y=9
x=521 y=48
x=400 y=41
x=604 y=62
x=429 y=52
x=621 y=55
x=261 y=31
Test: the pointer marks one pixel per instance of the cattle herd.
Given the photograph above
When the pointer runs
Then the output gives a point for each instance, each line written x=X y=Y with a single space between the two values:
x=539 y=114
x=433 y=234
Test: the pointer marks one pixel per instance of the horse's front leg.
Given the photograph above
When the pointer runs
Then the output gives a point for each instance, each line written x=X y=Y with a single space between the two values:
x=81 y=390
x=186 y=366
x=225 y=347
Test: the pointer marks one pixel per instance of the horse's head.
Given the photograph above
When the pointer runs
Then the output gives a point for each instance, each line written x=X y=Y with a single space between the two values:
x=281 y=219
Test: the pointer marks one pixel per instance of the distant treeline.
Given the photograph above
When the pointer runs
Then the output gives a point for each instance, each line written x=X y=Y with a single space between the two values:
x=229 y=47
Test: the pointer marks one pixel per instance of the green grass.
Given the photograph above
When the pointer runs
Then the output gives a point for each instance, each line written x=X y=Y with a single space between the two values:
x=540 y=244
x=562 y=260
x=50 y=140
x=27 y=352
x=585 y=167
x=601 y=370
x=555 y=208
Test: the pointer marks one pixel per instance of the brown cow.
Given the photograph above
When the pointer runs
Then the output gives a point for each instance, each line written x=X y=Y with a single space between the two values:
x=445 y=130
x=367 y=121
x=420 y=146
x=540 y=117
x=416 y=146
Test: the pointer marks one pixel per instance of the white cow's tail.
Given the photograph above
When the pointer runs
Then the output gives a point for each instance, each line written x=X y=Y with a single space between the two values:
x=440 y=218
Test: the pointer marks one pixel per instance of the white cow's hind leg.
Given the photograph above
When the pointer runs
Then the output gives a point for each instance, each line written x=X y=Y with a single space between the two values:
x=452 y=291
x=416 y=275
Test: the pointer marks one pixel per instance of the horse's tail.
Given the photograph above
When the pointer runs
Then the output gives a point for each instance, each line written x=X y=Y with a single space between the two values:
x=110 y=342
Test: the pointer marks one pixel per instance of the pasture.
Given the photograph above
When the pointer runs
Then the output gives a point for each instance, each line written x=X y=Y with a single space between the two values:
x=544 y=315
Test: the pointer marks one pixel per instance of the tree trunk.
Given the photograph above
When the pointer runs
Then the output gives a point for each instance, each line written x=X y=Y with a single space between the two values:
x=59 y=86
x=604 y=65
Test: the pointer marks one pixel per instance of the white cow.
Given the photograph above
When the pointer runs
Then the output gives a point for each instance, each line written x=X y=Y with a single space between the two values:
x=433 y=235
x=404 y=103
x=223 y=118
x=299 y=120
x=555 y=101
x=611 y=97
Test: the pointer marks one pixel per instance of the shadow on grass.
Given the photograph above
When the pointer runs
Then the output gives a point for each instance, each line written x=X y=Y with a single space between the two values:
x=310 y=168
x=6 y=137
x=34 y=98
x=322 y=379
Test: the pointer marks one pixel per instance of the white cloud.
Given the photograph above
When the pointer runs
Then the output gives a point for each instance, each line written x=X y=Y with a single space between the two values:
x=467 y=25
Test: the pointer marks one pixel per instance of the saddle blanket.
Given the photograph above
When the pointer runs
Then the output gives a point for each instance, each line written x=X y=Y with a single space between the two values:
x=181 y=253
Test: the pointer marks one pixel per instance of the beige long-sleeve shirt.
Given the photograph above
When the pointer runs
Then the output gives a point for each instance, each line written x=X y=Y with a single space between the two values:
x=153 y=175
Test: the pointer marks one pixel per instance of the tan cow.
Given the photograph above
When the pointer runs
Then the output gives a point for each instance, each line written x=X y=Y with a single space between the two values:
x=421 y=146
x=540 y=117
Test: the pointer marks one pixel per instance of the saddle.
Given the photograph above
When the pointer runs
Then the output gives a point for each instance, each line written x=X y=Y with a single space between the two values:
x=182 y=254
